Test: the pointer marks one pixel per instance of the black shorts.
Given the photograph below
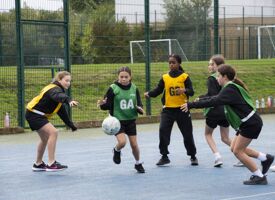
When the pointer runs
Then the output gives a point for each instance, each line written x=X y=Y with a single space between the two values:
x=213 y=123
x=35 y=121
x=251 y=128
x=128 y=127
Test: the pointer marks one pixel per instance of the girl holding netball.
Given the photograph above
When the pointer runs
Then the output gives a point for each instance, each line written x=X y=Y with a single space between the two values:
x=241 y=115
x=123 y=101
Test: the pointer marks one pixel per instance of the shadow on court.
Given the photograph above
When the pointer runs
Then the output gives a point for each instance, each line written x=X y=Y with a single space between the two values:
x=93 y=176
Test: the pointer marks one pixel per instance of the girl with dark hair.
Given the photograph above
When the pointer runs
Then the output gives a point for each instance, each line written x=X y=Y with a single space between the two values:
x=123 y=101
x=214 y=116
x=176 y=87
x=241 y=115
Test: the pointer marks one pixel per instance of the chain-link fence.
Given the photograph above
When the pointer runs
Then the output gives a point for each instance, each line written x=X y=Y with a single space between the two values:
x=100 y=36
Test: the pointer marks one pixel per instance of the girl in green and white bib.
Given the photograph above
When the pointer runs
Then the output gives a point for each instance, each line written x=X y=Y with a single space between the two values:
x=242 y=116
x=123 y=101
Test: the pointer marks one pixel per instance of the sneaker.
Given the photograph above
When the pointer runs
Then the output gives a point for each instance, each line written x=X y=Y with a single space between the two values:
x=272 y=168
x=56 y=166
x=256 y=180
x=238 y=164
x=163 y=160
x=267 y=163
x=139 y=168
x=39 y=168
x=218 y=162
x=194 y=161
x=116 y=157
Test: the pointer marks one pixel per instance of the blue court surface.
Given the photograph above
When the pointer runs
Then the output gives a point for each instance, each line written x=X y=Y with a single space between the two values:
x=92 y=175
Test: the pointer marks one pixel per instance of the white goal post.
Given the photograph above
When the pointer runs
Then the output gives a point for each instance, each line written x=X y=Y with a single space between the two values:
x=269 y=35
x=170 y=48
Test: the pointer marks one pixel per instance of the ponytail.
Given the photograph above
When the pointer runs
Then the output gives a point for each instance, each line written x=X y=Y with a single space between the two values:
x=240 y=82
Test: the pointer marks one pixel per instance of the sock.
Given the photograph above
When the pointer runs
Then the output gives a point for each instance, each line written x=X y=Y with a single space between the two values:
x=217 y=155
x=259 y=173
x=138 y=162
x=262 y=156
x=116 y=149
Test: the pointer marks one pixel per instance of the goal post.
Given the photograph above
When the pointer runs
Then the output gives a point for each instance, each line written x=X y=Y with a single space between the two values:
x=170 y=46
x=270 y=35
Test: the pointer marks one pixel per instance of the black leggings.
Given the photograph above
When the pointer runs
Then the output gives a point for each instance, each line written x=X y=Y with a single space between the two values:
x=183 y=119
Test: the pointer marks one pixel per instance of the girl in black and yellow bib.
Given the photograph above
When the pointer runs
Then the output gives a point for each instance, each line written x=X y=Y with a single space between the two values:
x=241 y=115
x=51 y=100
x=123 y=101
x=176 y=87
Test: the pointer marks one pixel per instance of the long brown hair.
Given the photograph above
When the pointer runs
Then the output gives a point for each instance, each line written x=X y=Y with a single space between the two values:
x=230 y=72
x=218 y=59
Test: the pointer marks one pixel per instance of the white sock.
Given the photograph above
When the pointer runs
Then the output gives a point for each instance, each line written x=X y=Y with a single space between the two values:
x=138 y=162
x=116 y=149
x=262 y=156
x=217 y=155
x=259 y=173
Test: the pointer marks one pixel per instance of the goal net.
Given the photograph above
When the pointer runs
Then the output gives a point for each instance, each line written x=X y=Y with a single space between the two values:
x=266 y=41
x=160 y=49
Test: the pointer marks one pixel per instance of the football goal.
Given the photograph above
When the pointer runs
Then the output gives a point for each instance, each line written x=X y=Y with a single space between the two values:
x=266 y=41
x=160 y=49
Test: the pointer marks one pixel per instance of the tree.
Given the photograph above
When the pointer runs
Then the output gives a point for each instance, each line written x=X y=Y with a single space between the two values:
x=185 y=20
x=105 y=40
x=81 y=6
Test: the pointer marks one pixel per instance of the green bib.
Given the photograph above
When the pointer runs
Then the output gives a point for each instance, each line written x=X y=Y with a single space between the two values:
x=233 y=119
x=125 y=102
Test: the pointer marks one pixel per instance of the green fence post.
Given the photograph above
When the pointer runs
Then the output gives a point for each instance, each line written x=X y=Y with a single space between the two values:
x=67 y=65
x=216 y=26
x=243 y=35
x=147 y=53
x=20 y=66
x=224 y=32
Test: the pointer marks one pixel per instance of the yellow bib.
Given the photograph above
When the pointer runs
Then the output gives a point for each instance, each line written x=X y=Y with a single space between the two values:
x=36 y=100
x=173 y=100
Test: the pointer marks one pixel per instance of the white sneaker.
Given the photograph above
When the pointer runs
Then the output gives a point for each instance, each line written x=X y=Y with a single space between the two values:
x=272 y=168
x=218 y=162
x=238 y=164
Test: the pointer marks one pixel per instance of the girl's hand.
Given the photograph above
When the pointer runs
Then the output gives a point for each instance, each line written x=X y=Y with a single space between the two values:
x=101 y=102
x=73 y=103
x=146 y=94
x=180 y=91
x=184 y=107
x=197 y=99
x=140 y=110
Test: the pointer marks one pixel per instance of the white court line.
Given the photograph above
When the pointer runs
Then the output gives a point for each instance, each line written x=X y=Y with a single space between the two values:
x=243 y=197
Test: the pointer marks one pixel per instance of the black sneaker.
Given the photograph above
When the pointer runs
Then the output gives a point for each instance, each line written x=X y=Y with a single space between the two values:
x=267 y=163
x=116 y=157
x=163 y=161
x=56 y=166
x=139 y=168
x=194 y=161
x=39 y=168
x=256 y=180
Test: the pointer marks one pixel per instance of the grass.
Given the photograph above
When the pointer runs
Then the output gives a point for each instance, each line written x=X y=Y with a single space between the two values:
x=90 y=82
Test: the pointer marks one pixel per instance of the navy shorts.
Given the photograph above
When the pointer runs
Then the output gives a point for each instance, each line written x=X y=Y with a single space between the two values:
x=36 y=121
x=213 y=123
x=128 y=127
